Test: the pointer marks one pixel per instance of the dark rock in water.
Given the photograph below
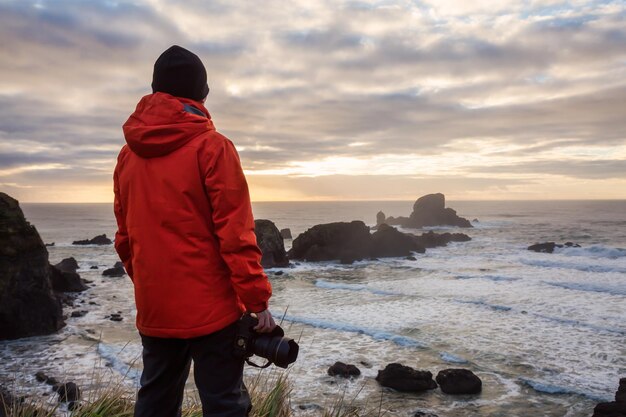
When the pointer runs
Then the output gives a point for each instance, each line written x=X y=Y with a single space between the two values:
x=93 y=267
x=548 y=247
x=615 y=408
x=67 y=265
x=310 y=407
x=98 y=240
x=411 y=258
x=78 y=313
x=41 y=376
x=433 y=240
x=389 y=242
x=475 y=221
x=430 y=210
x=459 y=381
x=28 y=305
x=118 y=264
x=64 y=278
x=380 y=218
x=424 y=414
x=343 y=370
x=116 y=317
x=278 y=273
x=286 y=233
x=271 y=244
x=396 y=221
x=68 y=392
x=49 y=244
x=405 y=379
x=332 y=241
x=116 y=271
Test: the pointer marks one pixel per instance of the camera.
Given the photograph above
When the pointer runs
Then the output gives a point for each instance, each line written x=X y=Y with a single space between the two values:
x=273 y=346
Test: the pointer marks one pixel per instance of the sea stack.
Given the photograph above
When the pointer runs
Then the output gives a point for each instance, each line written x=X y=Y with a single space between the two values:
x=28 y=305
x=430 y=210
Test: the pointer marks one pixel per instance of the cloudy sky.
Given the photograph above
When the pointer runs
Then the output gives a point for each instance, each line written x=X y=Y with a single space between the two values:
x=329 y=99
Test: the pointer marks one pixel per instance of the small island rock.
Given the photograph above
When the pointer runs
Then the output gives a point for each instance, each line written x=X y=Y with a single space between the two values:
x=271 y=243
x=405 y=379
x=343 y=370
x=459 y=381
x=98 y=240
x=286 y=233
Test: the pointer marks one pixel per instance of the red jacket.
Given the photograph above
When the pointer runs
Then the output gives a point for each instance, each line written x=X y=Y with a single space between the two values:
x=185 y=226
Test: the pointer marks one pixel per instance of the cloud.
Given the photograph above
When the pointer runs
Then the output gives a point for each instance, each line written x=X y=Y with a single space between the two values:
x=464 y=87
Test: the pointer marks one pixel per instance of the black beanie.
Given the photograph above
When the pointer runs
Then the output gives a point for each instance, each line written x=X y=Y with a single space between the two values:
x=180 y=72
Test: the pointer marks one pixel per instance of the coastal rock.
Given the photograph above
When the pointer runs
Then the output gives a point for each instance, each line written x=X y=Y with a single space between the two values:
x=98 y=240
x=424 y=414
x=49 y=244
x=270 y=241
x=332 y=241
x=380 y=218
x=405 y=379
x=430 y=210
x=286 y=233
x=615 y=408
x=117 y=270
x=28 y=305
x=68 y=392
x=434 y=240
x=343 y=370
x=64 y=278
x=389 y=242
x=459 y=381
x=548 y=247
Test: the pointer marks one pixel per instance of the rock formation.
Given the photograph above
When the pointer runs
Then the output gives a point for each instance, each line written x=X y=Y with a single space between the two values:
x=343 y=370
x=405 y=379
x=380 y=218
x=286 y=233
x=28 y=306
x=117 y=270
x=615 y=408
x=270 y=242
x=98 y=240
x=64 y=278
x=430 y=210
x=548 y=247
x=348 y=242
x=459 y=381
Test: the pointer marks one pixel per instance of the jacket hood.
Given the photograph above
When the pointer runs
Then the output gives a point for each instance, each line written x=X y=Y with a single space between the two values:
x=163 y=123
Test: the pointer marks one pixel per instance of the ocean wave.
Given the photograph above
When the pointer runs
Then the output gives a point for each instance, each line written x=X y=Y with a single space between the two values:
x=596 y=251
x=110 y=354
x=545 y=263
x=351 y=287
x=450 y=358
x=343 y=327
x=482 y=303
x=590 y=287
x=495 y=278
x=548 y=388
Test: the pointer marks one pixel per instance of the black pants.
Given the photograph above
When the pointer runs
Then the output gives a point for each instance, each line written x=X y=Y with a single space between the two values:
x=217 y=373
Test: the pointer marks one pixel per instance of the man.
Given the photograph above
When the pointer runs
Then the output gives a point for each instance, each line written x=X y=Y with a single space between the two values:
x=186 y=238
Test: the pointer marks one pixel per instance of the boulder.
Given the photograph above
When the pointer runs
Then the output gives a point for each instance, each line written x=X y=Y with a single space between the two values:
x=615 y=408
x=433 y=240
x=28 y=305
x=333 y=241
x=389 y=242
x=68 y=392
x=343 y=370
x=459 y=381
x=98 y=240
x=286 y=233
x=66 y=281
x=548 y=247
x=405 y=379
x=270 y=241
x=67 y=265
x=117 y=270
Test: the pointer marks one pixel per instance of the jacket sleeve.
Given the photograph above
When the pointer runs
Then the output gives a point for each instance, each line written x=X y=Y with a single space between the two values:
x=122 y=244
x=228 y=194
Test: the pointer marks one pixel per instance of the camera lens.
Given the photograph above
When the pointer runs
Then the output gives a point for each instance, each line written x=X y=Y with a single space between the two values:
x=280 y=350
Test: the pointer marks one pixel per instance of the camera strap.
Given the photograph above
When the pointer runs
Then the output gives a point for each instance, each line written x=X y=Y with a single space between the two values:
x=249 y=362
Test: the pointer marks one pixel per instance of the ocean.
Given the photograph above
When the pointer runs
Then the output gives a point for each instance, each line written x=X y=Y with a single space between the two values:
x=546 y=333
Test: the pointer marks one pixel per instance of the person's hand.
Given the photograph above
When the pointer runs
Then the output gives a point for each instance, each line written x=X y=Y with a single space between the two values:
x=266 y=322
